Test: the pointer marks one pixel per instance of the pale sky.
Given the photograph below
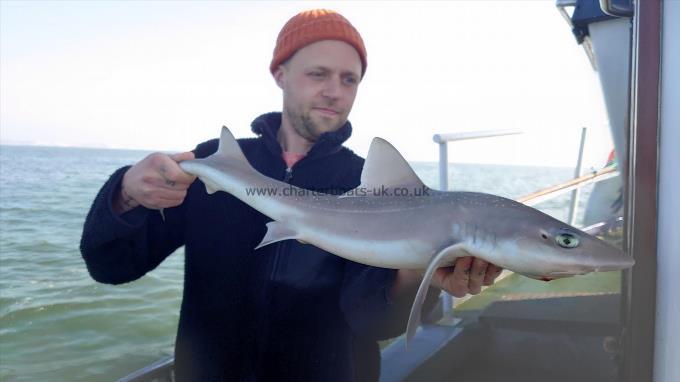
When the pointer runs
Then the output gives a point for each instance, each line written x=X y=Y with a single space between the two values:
x=166 y=76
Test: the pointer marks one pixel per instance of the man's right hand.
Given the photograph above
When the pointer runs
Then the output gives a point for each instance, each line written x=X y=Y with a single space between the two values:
x=155 y=182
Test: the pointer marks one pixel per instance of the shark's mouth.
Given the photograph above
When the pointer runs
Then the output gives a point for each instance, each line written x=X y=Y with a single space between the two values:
x=609 y=269
x=558 y=275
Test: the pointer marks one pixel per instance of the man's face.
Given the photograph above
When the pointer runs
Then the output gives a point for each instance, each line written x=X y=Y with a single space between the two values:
x=319 y=85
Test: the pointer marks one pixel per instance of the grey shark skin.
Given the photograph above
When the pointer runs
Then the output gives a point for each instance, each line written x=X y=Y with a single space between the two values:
x=393 y=220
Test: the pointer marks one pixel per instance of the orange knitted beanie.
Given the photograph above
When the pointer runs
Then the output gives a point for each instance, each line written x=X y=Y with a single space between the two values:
x=312 y=26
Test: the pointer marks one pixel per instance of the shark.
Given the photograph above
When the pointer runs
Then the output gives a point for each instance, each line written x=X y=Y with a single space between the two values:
x=393 y=220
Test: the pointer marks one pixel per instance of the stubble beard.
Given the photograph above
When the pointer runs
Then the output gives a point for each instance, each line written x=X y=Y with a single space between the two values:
x=305 y=126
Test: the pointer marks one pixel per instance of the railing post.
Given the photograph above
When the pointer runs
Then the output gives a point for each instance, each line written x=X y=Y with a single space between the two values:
x=446 y=299
x=577 y=172
x=443 y=166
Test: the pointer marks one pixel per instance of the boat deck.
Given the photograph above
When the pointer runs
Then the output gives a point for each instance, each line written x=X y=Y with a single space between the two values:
x=522 y=329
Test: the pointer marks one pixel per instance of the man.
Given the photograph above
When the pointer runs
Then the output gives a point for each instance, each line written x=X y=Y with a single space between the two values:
x=288 y=311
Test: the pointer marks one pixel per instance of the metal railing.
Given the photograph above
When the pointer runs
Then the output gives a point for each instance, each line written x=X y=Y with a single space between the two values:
x=443 y=139
x=162 y=370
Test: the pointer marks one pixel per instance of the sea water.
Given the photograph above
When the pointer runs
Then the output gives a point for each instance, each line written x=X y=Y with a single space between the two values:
x=57 y=324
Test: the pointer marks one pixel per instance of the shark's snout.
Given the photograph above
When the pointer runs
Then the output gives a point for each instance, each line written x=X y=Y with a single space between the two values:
x=617 y=264
x=607 y=258
x=592 y=255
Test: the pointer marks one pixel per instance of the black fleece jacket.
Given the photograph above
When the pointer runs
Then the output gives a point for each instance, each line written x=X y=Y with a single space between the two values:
x=286 y=312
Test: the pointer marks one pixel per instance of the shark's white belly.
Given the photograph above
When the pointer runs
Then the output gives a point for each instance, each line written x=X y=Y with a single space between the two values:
x=395 y=254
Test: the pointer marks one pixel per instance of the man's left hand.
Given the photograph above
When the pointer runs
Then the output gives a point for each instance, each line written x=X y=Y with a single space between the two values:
x=467 y=275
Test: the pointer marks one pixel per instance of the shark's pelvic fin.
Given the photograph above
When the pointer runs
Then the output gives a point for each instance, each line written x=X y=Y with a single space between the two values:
x=210 y=187
x=442 y=257
x=277 y=231
x=385 y=168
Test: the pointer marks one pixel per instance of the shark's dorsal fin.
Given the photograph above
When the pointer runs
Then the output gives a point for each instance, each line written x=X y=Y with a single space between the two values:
x=228 y=151
x=229 y=147
x=386 y=169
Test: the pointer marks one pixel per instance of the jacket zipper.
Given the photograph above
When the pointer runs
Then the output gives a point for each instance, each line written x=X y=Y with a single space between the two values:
x=279 y=249
x=289 y=174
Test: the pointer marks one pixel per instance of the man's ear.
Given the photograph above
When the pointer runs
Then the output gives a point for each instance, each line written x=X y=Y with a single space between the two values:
x=279 y=75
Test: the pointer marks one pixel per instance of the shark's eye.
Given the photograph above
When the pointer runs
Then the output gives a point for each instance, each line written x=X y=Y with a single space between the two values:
x=567 y=240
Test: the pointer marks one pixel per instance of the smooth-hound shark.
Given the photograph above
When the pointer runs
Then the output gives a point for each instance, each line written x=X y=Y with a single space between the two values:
x=393 y=220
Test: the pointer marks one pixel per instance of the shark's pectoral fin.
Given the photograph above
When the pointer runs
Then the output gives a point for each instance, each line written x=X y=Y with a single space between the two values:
x=441 y=258
x=277 y=231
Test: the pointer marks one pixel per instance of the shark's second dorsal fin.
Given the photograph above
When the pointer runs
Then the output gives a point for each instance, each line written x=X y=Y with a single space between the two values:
x=385 y=169
x=229 y=147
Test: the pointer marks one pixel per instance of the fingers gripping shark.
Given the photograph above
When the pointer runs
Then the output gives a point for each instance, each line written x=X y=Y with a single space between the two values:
x=393 y=220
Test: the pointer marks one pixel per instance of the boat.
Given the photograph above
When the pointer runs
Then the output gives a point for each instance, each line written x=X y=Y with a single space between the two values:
x=627 y=334
x=626 y=331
